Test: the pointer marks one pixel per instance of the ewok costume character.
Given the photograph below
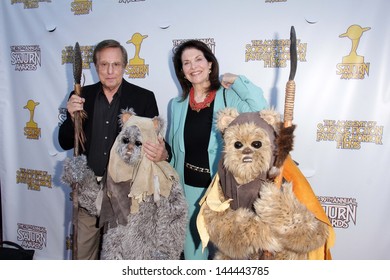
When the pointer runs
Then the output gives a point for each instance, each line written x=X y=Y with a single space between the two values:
x=244 y=214
x=141 y=205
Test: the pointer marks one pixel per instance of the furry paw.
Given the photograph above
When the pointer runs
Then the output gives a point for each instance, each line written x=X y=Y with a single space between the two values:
x=296 y=227
x=280 y=209
x=239 y=234
x=75 y=170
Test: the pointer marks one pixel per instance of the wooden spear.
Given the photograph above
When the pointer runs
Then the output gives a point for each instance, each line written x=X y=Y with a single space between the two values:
x=290 y=92
x=79 y=139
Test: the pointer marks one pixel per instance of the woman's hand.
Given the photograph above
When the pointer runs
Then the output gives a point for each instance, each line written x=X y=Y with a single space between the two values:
x=228 y=79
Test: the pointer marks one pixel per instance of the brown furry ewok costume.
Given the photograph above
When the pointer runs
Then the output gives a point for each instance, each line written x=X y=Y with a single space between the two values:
x=244 y=214
x=141 y=205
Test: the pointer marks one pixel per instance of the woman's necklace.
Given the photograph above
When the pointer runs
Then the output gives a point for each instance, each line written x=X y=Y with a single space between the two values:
x=201 y=105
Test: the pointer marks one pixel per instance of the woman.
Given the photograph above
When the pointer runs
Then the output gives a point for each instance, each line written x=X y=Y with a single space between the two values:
x=195 y=142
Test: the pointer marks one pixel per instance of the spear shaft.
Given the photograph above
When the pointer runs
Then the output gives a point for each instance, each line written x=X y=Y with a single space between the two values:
x=290 y=86
x=79 y=139
x=290 y=91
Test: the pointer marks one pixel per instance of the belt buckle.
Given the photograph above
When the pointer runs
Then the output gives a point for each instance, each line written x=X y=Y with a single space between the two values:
x=197 y=168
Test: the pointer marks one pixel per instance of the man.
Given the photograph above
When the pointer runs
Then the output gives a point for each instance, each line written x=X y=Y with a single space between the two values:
x=103 y=103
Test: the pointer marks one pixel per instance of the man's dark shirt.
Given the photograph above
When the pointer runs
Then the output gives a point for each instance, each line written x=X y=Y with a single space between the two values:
x=103 y=136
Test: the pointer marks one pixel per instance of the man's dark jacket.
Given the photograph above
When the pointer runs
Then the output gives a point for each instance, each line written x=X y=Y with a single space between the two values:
x=141 y=100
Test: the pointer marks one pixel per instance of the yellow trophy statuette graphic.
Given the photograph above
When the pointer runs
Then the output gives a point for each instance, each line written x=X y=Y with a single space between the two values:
x=354 y=33
x=31 y=130
x=136 y=67
x=136 y=40
x=31 y=107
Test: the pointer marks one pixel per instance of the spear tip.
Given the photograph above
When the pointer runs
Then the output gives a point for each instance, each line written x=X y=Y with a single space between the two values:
x=77 y=64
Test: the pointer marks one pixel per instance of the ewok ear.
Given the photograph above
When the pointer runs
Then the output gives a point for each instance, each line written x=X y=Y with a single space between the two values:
x=272 y=117
x=158 y=123
x=284 y=135
x=225 y=117
x=125 y=116
x=284 y=141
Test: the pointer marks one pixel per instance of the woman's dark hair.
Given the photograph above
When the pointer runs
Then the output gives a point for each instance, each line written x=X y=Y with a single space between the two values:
x=109 y=44
x=210 y=57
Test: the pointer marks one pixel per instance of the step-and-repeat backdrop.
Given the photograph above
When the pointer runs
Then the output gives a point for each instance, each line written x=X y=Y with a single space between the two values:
x=342 y=98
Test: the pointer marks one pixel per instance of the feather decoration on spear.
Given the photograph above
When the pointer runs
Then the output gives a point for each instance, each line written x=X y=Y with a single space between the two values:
x=79 y=139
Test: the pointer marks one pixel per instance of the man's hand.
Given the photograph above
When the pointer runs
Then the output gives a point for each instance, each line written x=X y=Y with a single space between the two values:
x=75 y=103
x=156 y=152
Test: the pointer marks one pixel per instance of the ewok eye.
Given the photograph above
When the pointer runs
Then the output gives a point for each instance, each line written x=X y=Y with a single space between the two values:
x=138 y=143
x=256 y=144
x=238 y=145
x=125 y=140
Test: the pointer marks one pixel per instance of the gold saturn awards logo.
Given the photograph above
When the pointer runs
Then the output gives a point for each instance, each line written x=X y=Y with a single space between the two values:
x=29 y=4
x=353 y=65
x=31 y=130
x=136 y=68
x=81 y=7
x=86 y=53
